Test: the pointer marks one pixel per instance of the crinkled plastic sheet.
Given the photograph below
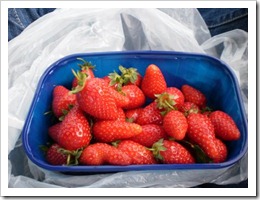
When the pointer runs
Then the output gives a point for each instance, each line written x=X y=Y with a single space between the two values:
x=69 y=31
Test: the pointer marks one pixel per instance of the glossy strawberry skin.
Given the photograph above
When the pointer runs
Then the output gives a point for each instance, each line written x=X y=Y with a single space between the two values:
x=188 y=107
x=54 y=156
x=201 y=131
x=175 y=153
x=150 y=114
x=133 y=114
x=63 y=99
x=139 y=154
x=110 y=131
x=153 y=81
x=225 y=127
x=135 y=95
x=223 y=151
x=74 y=130
x=96 y=100
x=175 y=124
x=102 y=153
x=151 y=133
x=121 y=100
x=54 y=131
x=194 y=95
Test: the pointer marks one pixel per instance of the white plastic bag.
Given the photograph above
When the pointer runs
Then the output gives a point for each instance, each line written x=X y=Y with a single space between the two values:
x=69 y=31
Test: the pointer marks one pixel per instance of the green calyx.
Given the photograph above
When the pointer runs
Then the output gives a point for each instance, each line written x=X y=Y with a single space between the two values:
x=165 y=102
x=115 y=79
x=81 y=78
x=157 y=148
x=126 y=75
x=129 y=75
x=86 y=65
x=72 y=156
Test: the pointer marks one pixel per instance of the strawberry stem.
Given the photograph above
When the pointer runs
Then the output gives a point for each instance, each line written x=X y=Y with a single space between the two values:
x=165 y=102
x=86 y=65
x=157 y=148
x=81 y=77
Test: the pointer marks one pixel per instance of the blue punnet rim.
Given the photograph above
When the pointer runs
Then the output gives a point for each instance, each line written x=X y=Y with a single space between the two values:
x=111 y=168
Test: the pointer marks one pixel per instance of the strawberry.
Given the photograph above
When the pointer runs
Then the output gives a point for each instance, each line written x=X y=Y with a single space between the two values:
x=95 y=99
x=151 y=133
x=86 y=68
x=224 y=125
x=135 y=95
x=133 y=114
x=175 y=124
x=55 y=156
x=110 y=131
x=201 y=131
x=121 y=99
x=150 y=114
x=194 y=95
x=139 y=154
x=74 y=130
x=177 y=94
x=102 y=153
x=223 y=151
x=53 y=131
x=62 y=101
x=171 y=152
x=153 y=81
x=130 y=76
x=121 y=115
x=188 y=107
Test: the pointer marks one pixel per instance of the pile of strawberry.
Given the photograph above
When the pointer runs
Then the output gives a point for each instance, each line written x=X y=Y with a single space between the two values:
x=105 y=120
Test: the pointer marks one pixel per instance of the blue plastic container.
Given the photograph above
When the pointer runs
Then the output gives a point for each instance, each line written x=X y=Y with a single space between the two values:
x=210 y=75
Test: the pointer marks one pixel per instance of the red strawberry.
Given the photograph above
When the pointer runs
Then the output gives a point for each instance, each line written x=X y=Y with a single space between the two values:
x=110 y=131
x=53 y=131
x=153 y=81
x=224 y=125
x=95 y=99
x=223 y=151
x=133 y=114
x=86 y=68
x=188 y=107
x=121 y=99
x=55 y=156
x=102 y=153
x=177 y=94
x=139 y=154
x=151 y=133
x=194 y=95
x=171 y=152
x=121 y=115
x=135 y=95
x=74 y=130
x=175 y=124
x=63 y=100
x=201 y=131
x=150 y=114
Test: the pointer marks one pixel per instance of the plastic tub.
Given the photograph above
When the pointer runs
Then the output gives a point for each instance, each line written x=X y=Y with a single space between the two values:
x=213 y=77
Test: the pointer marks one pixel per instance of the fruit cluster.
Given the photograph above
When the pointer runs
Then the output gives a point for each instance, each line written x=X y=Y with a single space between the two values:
x=107 y=120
